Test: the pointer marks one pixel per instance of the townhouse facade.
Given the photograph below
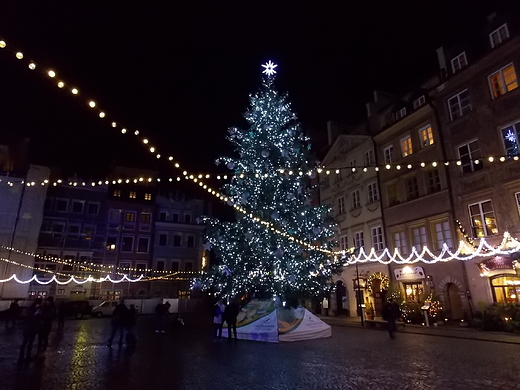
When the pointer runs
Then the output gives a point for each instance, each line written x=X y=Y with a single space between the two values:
x=447 y=155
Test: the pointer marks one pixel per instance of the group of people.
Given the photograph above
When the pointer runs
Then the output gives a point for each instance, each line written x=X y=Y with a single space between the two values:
x=38 y=322
x=228 y=314
x=123 y=321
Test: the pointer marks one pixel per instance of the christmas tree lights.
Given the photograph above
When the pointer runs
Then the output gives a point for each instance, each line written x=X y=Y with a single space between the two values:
x=257 y=259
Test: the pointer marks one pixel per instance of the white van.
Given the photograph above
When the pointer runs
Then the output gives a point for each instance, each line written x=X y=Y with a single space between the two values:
x=106 y=308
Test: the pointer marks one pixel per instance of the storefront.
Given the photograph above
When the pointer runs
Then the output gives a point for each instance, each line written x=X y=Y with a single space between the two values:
x=504 y=280
x=412 y=282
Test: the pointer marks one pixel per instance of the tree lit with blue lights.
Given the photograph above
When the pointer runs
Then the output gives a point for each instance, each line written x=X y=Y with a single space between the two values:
x=251 y=257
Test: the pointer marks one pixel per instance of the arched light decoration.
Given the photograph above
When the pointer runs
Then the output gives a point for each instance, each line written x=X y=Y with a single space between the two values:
x=19 y=55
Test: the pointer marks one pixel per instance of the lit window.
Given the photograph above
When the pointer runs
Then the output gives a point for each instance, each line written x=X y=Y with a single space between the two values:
x=341 y=205
x=459 y=62
x=369 y=158
x=147 y=196
x=510 y=137
x=459 y=104
x=406 y=146
x=443 y=234
x=499 y=35
x=129 y=216
x=434 y=181
x=111 y=243
x=419 y=102
x=470 y=157
x=482 y=219
x=401 y=113
x=426 y=136
x=359 y=241
x=133 y=195
x=388 y=154
x=400 y=242
x=412 y=187
x=419 y=238
x=377 y=238
x=373 y=194
x=117 y=193
x=356 y=200
x=502 y=81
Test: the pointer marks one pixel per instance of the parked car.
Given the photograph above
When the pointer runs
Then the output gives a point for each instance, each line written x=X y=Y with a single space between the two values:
x=105 y=308
x=77 y=309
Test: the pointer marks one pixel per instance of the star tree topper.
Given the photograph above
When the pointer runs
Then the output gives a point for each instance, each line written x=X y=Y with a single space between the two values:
x=269 y=68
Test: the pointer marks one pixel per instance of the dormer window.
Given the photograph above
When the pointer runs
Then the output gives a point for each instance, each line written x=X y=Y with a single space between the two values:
x=401 y=113
x=499 y=35
x=459 y=62
x=419 y=102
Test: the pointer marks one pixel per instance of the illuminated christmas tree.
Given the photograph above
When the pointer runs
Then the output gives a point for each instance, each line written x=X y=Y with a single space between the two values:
x=252 y=257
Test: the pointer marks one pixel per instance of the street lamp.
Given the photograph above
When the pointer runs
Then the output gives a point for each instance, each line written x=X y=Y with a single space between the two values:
x=357 y=286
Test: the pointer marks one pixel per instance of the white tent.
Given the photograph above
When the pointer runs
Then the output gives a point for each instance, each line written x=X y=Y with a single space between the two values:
x=261 y=321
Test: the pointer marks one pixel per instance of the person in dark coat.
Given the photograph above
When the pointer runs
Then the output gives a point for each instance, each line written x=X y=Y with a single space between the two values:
x=12 y=313
x=391 y=314
x=32 y=325
x=48 y=312
x=162 y=310
x=62 y=309
x=118 y=323
x=230 y=315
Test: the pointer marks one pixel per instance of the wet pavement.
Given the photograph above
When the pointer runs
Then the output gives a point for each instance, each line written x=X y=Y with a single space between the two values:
x=187 y=358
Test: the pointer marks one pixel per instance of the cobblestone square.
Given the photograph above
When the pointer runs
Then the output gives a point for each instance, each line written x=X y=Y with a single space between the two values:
x=187 y=358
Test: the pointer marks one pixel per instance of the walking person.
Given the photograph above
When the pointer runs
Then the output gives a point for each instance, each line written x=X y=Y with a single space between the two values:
x=131 y=319
x=162 y=309
x=118 y=323
x=61 y=312
x=12 y=313
x=218 y=314
x=31 y=328
x=230 y=315
x=48 y=312
x=391 y=314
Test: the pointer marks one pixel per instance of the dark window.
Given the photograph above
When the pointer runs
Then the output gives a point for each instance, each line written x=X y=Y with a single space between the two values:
x=190 y=242
x=142 y=244
x=77 y=206
x=48 y=204
x=93 y=208
x=127 y=244
x=434 y=181
x=470 y=157
x=160 y=266
x=163 y=215
x=175 y=266
x=187 y=218
x=175 y=217
x=412 y=187
x=189 y=266
x=61 y=204
x=177 y=240
x=163 y=239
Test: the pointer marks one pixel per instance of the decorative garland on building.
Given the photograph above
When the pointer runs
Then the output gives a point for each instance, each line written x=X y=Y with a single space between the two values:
x=383 y=278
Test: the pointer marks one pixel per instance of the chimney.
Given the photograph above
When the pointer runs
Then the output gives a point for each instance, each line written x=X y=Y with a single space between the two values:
x=442 y=61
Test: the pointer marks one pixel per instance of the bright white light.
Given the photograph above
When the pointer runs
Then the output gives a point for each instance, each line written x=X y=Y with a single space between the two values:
x=101 y=114
x=19 y=55
x=61 y=84
x=74 y=91
x=32 y=66
x=51 y=73
x=269 y=68
x=2 y=44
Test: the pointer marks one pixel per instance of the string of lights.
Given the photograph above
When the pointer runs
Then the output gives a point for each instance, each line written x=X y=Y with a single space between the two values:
x=371 y=256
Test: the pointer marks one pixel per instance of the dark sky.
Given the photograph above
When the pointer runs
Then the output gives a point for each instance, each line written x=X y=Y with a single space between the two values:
x=181 y=71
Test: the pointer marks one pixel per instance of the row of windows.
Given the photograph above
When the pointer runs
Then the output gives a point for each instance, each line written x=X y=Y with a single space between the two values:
x=359 y=239
x=355 y=197
x=418 y=236
x=176 y=239
x=132 y=194
x=425 y=139
x=172 y=216
x=142 y=244
x=161 y=265
x=76 y=206
x=411 y=188
x=73 y=230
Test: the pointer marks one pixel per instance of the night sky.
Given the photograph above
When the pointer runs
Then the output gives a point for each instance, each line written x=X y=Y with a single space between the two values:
x=181 y=72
